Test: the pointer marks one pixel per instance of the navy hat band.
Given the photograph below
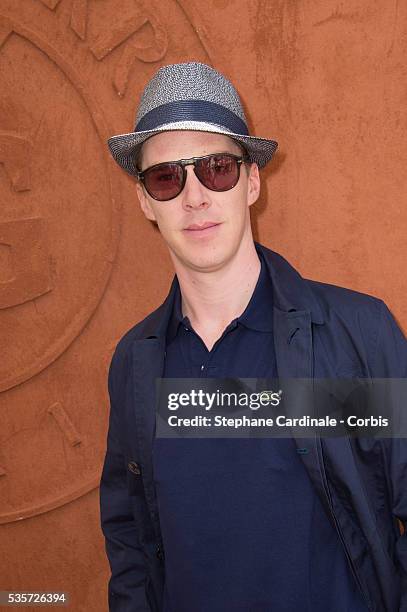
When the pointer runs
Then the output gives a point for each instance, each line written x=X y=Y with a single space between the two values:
x=192 y=110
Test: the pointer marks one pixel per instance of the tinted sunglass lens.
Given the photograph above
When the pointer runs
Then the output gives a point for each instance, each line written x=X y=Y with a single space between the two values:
x=164 y=182
x=218 y=172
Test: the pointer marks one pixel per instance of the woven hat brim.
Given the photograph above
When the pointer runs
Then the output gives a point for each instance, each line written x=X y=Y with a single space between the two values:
x=124 y=147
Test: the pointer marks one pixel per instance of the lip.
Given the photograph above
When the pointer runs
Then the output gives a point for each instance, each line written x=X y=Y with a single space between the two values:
x=194 y=227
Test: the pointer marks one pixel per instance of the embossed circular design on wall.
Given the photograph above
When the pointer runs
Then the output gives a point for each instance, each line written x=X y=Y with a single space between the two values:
x=59 y=204
x=59 y=248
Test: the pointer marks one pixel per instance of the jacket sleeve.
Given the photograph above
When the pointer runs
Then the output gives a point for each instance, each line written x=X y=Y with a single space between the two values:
x=126 y=589
x=390 y=361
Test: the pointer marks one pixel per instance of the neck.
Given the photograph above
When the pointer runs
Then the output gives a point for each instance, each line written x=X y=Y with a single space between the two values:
x=212 y=300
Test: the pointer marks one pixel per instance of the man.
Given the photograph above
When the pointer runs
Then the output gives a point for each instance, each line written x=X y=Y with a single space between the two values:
x=254 y=525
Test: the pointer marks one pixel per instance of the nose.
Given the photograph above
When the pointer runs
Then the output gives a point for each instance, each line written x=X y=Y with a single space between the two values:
x=195 y=196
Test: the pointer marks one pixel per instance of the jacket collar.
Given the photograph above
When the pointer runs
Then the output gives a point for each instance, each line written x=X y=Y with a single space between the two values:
x=291 y=293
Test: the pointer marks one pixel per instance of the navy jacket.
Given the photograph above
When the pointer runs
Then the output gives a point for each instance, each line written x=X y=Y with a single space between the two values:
x=320 y=331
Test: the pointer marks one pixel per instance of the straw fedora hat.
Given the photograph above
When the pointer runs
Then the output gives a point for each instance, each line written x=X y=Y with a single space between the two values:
x=189 y=96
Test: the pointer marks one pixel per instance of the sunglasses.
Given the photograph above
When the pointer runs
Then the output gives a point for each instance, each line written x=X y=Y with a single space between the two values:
x=217 y=172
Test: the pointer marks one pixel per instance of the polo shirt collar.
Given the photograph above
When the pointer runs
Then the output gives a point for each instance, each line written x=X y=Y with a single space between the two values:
x=176 y=316
x=258 y=314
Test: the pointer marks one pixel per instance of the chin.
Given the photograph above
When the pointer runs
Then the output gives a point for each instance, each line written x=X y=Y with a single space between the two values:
x=204 y=255
x=205 y=260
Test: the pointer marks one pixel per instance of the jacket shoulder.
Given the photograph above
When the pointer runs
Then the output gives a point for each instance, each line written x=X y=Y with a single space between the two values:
x=355 y=314
x=344 y=300
x=367 y=322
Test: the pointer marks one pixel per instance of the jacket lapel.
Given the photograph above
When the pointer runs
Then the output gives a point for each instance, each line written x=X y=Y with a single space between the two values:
x=147 y=365
x=294 y=357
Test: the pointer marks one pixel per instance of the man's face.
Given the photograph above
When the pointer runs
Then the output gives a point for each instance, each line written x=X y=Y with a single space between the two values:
x=208 y=249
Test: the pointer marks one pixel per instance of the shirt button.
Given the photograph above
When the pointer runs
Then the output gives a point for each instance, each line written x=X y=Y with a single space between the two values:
x=202 y=366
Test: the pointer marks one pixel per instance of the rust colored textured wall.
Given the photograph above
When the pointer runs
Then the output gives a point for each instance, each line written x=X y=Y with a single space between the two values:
x=326 y=79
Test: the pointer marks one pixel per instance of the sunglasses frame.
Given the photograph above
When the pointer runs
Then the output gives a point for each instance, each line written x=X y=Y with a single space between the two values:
x=240 y=159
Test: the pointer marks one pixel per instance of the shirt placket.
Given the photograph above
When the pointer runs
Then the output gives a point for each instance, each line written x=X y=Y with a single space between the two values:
x=199 y=358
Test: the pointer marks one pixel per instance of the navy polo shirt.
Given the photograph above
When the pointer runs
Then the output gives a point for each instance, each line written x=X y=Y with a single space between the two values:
x=243 y=528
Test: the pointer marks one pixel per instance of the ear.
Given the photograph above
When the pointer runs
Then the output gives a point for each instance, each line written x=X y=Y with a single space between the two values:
x=144 y=203
x=253 y=184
